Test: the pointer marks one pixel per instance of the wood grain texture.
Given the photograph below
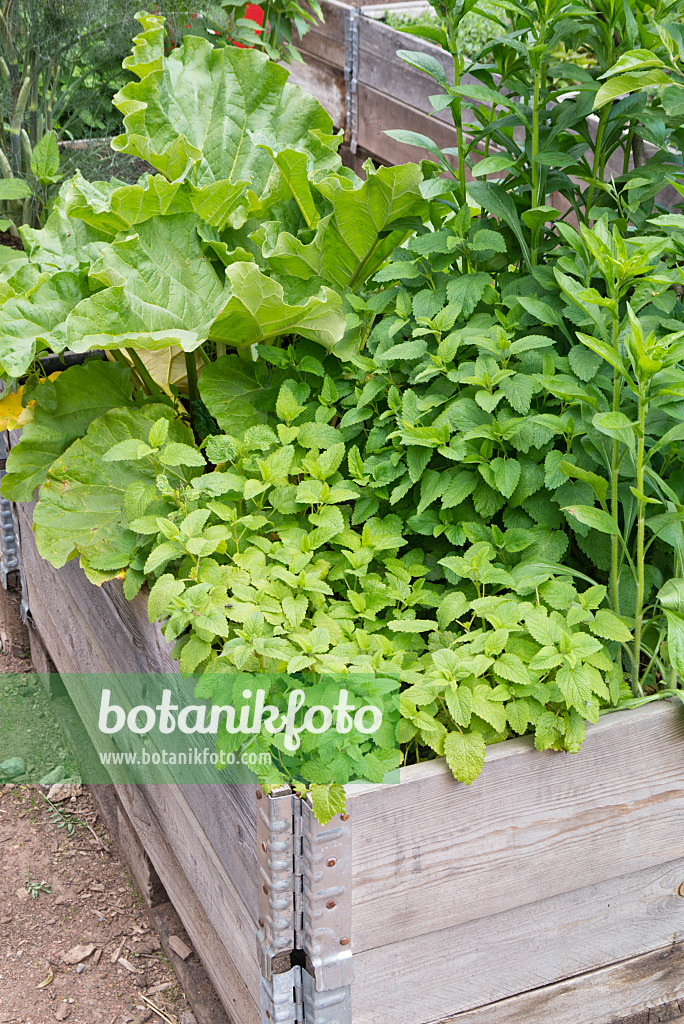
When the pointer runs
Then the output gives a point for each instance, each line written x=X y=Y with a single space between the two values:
x=607 y=996
x=381 y=70
x=87 y=631
x=666 y=1012
x=227 y=816
x=379 y=113
x=326 y=41
x=326 y=82
x=431 y=853
x=75 y=619
x=205 y=874
x=88 y=628
x=520 y=950
x=238 y=996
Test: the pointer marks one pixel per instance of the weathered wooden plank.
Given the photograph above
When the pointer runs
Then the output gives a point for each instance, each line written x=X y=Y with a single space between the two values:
x=379 y=112
x=91 y=629
x=430 y=853
x=382 y=71
x=326 y=82
x=326 y=41
x=526 y=948
x=238 y=995
x=214 y=889
x=191 y=973
x=228 y=811
x=606 y=996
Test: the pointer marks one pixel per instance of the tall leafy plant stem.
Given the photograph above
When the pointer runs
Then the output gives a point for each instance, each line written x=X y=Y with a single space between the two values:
x=597 y=169
x=535 y=166
x=537 y=197
x=614 y=474
x=16 y=123
x=191 y=371
x=628 y=149
x=456 y=105
x=641 y=524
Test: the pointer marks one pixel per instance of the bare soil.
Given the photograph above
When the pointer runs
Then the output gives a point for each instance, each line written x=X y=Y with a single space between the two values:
x=62 y=885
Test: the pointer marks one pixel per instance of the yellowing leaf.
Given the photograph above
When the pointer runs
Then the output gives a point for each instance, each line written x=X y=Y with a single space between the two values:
x=328 y=801
x=167 y=367
x=465 y=755
x=12 y=413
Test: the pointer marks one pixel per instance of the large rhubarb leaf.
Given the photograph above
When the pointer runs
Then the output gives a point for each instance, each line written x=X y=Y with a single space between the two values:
x=81 y=507
x=63 y=411
x=62 y=243
x=231 y=388
x=111 y=208
x=353 y=240
x=192 y=112
x=162 y=291
x=36 y=321
x=258 y=311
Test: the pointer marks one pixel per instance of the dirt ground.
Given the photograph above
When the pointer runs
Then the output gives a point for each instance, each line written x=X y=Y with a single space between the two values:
x=75 y=943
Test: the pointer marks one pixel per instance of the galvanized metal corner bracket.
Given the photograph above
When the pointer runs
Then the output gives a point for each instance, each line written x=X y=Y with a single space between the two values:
x=351 y=75
x=304 y=937
x=10 y=557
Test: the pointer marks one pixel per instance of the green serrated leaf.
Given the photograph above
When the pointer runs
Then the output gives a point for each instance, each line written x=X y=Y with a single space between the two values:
x=465 y=755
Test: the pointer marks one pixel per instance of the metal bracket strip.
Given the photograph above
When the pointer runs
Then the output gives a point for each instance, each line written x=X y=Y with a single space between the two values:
x=351 y=75
x=10 y=556
x=281 y=998
x=325 y=1007
x=275 y=863
x=326 y=905
x=304 y=907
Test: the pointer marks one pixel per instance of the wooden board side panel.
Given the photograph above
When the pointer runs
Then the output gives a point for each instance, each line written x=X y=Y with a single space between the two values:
x=626 y=992
x=239 y=997
x=326 y=82
x=431 y=853
x=89 y=629
x=378 y=113
x=227 y=816
x=524 y=949
x=380 y=70
x=213 y=888
x=326 y=41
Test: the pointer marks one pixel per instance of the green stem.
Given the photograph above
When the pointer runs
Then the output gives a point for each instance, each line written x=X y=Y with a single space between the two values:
x=191 y=371
x=641 y=522
x=142 y=371
x=535 y=166
x=16 y=125
x=628 y=150
x=678 y=568
x=614 y=474
x=598 y=158
x=455 y=105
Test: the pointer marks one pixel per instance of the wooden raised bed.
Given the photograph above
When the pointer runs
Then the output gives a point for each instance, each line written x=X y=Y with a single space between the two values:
x=551 y=891
x=351 y=67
